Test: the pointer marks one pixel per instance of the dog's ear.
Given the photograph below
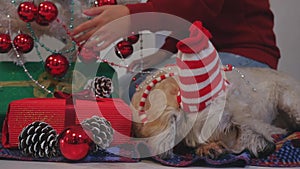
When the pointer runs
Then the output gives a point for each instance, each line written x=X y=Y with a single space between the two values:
x=171 y=89
x=155 y=104
x=158 y=103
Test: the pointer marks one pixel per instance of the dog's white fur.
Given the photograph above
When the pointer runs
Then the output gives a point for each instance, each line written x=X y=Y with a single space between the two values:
x=253 y=108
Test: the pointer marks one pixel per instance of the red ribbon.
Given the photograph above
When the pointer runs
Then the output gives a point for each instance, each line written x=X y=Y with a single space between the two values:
x=83 y=95
x=70 y=113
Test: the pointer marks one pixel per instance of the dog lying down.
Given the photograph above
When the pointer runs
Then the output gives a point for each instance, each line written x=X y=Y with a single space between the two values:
x=257 y=104
x=197 y=103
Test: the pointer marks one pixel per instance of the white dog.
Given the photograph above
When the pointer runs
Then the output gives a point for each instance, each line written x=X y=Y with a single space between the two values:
x=211 y=107
x=258 y=103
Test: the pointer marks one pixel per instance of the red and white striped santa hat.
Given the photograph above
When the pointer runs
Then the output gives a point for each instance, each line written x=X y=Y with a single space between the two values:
x=200 y=76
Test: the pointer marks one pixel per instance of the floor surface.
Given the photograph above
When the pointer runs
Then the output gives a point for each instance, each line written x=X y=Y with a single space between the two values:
x=10 y=164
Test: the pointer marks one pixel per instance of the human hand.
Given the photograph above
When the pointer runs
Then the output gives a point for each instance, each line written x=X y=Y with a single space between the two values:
x=149 y=61
x=103 y=33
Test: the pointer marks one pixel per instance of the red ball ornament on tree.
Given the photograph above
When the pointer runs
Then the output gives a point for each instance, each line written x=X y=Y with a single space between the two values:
x=75 y=143
x=133 y=38
x=88 y=56
x=104 y=2
x=27 y=11
x=5 y=43
x=47 y=12
x=23 y=43
x=56 y=65
x=123 y=49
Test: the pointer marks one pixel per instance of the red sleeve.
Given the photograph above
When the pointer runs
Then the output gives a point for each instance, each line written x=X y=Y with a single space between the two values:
x=170 y=45
x=190 y=10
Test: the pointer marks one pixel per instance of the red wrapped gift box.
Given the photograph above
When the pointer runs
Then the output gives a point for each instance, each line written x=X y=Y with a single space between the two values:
x=60 y=113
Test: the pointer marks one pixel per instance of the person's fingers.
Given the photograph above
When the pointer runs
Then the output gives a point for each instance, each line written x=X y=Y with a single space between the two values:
x=94 y=40
x=83 y=27
x=104 y=41
x=94 y=23
x=85 y=36
x=93 y=11
x=102 y=45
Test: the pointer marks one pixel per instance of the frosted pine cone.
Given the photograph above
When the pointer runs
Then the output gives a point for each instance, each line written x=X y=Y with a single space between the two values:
x=101 y=129
x=101 y=86
x=38 y=139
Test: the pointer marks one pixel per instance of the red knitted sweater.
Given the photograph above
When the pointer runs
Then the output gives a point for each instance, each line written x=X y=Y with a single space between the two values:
x=243 y=27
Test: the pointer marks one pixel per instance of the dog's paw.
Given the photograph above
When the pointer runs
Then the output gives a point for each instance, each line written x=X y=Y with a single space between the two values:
x=211 y=150
x=266 y=151
x=259 y=147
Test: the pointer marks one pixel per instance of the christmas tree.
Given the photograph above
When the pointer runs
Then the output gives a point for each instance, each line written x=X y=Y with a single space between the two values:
x=37 y=52
x=24 y=24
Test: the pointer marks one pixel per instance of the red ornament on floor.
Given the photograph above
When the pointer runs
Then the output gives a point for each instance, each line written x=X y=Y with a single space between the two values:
x=123 y=49
x=23 y=43
x=57 y=65
x=27 y=11
x=74 y=143
x=47 y=12
x=5 y=43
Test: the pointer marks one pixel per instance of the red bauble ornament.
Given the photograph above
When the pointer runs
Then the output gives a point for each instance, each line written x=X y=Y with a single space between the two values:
x=5 y=43
x=57 y=65
x=87 y=55
x=105 y=2
x=47 y=12
x=74 y=143
x=123 y=49
x=133 y=38
x=27 y=11
x=23 y=43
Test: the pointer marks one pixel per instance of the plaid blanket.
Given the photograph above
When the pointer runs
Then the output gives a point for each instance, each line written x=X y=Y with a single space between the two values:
x=122 y=153
x=287 y=154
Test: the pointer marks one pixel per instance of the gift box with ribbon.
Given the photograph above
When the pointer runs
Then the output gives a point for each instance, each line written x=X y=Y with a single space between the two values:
x=61 y=113
x=16 y=85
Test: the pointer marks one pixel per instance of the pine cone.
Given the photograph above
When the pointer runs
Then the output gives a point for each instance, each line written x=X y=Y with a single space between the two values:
x=101 y=130
x=102 y=86
x=38 y=139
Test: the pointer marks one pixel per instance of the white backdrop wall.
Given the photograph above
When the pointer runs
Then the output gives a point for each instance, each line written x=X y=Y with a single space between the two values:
x=287 y=29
